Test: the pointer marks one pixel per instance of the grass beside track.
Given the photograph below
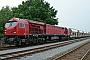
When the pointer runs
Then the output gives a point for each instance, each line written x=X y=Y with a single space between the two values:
x=4 y=45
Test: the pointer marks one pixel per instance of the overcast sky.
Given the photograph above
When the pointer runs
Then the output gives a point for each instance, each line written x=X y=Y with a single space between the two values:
x=71 y=13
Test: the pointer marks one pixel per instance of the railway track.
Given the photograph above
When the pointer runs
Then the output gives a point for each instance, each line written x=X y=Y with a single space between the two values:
x=12 y=55
x=86 y=56
x=15 y=47
x=81 y=52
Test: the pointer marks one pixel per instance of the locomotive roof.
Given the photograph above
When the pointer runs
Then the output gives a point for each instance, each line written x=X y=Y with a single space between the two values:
x=30 y=20
x=36 y=22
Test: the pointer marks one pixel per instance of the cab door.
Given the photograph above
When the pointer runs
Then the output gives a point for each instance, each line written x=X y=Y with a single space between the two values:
x=21 y=29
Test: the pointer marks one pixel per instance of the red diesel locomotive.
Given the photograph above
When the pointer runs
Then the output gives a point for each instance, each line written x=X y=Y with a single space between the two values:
x=23 y=31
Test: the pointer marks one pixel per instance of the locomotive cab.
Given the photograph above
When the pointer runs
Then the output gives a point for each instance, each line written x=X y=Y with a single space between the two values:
x=11 y=27
x=14 y=29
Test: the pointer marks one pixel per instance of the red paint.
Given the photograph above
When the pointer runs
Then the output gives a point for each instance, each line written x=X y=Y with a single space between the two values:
x=33 y=27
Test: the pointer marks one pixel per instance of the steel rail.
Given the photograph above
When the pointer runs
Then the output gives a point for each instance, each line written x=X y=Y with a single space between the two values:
x=34 y=50
x=84 y=56
x=57 y=58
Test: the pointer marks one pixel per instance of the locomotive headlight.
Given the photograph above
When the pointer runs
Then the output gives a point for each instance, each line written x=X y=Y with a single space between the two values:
x=14 y=32
x=5 y=32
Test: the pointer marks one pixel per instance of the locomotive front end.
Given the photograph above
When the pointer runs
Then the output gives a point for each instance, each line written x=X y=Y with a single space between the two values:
x=16 y=31
x=10 y=31
x=10 y=28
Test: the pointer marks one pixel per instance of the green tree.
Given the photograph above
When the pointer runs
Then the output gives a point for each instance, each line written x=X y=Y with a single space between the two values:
x=5 y=15
x=38 y=10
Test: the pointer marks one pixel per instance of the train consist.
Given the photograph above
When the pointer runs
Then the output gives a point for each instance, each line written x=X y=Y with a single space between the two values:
x=23 y=31
x=78 y=33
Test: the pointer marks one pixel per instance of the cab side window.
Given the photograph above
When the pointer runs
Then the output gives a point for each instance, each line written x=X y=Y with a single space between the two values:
x=22 y=25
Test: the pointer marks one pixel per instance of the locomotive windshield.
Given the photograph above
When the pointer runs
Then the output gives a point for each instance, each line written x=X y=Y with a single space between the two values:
x=11 y=24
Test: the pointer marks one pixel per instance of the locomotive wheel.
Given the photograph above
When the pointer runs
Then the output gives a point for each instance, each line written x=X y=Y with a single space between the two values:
x=29 y=40
x=34 y=40
x=41 y=40
x=19 y=42
x=61 y=39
